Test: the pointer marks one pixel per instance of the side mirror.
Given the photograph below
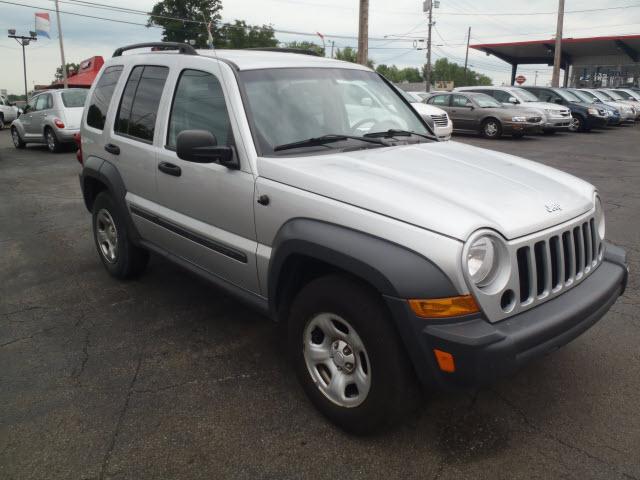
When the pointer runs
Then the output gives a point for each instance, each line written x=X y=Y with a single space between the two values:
x=201 y=146
x=366 y=101
x=513 y=100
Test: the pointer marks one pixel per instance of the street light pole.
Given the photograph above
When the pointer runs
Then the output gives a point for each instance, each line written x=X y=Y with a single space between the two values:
x=428 y=75
x=64 y=64
x=23 y=42
x=363 y=33
x=557 y=57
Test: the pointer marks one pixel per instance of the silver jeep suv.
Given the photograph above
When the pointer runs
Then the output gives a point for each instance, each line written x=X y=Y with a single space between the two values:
x=390 y=258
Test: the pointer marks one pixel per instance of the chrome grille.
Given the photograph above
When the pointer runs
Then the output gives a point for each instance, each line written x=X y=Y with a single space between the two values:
x=543 y=265
x=555 y=263
x=440 y=120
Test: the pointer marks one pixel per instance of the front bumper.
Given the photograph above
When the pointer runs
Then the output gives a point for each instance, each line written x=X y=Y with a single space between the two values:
x=521 y=127
x=484 y=351
x=596 y=121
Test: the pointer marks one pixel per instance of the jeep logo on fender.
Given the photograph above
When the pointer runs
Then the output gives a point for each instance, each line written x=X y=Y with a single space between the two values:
x=553 y=207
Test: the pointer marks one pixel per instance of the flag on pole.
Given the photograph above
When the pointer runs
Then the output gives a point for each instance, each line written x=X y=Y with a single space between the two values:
x=43 y=24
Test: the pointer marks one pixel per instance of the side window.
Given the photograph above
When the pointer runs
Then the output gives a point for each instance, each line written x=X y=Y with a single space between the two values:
x=140 y=101
x=460 y=101
x=101 y=97
x=198 y=104
x=43 y=102
x=31 y=104
x=441 y=100
x=501 y=96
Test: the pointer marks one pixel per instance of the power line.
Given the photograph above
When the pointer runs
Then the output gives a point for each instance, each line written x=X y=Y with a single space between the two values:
x=503 y=14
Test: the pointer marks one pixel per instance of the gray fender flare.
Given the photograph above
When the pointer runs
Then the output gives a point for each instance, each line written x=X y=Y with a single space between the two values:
x=391 y=269
x=107 y=174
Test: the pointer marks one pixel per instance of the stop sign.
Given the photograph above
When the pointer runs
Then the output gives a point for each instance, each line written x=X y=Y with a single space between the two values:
x=520 y=79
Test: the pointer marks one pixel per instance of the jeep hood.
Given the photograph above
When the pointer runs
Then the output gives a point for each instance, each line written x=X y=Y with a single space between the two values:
x=447 y=187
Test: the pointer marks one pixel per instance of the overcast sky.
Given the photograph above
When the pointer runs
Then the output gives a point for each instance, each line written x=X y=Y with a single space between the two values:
x=86 y=37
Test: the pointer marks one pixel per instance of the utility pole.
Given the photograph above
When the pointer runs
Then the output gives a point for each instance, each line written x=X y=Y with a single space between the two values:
x=64 y=64
x=23 y=41
x=535 y=80
x=363 y=33
x=428 y=7
x=333 y=44
x=557 y=58
x=466 y=56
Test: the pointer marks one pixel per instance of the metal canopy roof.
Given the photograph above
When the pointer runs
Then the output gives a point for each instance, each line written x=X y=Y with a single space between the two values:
x=541 y=51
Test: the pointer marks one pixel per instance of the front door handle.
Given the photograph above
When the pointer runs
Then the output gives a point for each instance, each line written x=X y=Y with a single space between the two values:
x=170 y=169
x=113 y=149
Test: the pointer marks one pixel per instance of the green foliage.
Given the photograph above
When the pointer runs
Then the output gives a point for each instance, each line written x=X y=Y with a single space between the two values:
x=443 y=70
x=314 y=47
x=229 y=35
x=241 y=35
x=349 y=54
x=396 y=75
x=70 y=67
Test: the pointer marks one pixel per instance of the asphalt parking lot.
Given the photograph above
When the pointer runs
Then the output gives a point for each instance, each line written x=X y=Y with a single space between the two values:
x=167 y=377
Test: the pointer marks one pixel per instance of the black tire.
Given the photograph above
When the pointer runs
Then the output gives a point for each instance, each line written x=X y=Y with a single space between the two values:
x=129 y=260
x=51 y=140
x=549 y=131
x=517 y=135
x=392 y=394
x=491 y=128
x=1 y=121
x=15 y=136
x=578 y=124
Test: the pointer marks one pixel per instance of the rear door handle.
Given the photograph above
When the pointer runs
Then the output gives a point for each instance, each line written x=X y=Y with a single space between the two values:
x=170 y=169
x=113 y=149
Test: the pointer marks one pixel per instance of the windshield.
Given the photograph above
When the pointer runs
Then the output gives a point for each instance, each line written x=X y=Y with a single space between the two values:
x=567 y=95
x=485 y=101
x=289 y=105
x=523 y=95
x=601 y=95
x=623 y=95
x=614 y=95
x=586 y=96
x=74 y=98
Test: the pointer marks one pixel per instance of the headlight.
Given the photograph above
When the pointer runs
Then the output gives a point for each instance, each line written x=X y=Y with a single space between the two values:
x=548 y=111
x=518 y=119
x=600 y=218
x=481 y=260
x=592 y=111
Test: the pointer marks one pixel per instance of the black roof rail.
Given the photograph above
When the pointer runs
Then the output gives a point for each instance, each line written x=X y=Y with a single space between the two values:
x=286 y=50
x=183 y=48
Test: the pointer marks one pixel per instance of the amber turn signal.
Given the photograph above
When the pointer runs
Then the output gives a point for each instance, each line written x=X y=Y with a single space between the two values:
x=444 y=307
x=445 y=361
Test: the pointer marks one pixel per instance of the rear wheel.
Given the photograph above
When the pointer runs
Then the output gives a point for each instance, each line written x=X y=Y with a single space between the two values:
x=53 y=144
x=491 y=128
x=15 y=136
x=119 y=255
x=1 y=121
x=348 y=357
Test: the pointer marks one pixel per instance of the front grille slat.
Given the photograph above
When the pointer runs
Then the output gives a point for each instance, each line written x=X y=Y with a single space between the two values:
x=440 y=120
x=549 y=265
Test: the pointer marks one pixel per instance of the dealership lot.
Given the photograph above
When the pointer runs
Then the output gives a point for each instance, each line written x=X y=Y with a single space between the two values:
x=167 y=377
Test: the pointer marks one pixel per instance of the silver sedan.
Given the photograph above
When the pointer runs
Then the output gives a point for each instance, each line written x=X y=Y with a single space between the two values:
x=51 y=117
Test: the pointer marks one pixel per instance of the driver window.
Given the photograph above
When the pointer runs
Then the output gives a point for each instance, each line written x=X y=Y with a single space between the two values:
x=42 y=103
x=501 y=96
x=440 y=100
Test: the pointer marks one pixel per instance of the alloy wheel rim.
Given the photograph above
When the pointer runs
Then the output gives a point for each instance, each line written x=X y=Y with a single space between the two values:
x=107 y=236
x=337 y=360
x=51 y=143
x=491 y=129
x=575 y=124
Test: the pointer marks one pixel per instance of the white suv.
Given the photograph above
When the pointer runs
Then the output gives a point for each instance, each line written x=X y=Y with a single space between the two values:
x=8 y=112
x=388 y=256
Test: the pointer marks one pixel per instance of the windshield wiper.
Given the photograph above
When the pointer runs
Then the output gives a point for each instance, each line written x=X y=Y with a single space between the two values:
x=323 y=140
x=395 y=133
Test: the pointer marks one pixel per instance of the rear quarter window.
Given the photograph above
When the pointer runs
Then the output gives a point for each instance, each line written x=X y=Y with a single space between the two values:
x=74 y=98
x=101 y=97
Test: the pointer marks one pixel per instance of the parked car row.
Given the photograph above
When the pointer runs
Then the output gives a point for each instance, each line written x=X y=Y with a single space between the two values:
x=517 y=111
x=51 y=117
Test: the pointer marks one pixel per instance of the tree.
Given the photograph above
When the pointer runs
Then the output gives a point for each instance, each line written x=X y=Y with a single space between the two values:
x=349 y=54
x=396 y=75
x=190 y=25
x=241 y=35
x=443 y=70
x=192 y=29
x=71 y=67
x=310 y=46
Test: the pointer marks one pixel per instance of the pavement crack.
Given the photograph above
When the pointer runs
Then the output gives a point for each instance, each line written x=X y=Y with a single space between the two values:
x=557 y=439
x=123 y=411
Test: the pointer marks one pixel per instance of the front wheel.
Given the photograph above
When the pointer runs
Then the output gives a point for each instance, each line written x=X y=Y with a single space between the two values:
x=119 y=255
x=348 y=357
x=15 y=136
x=577 y=124
x=491 y=128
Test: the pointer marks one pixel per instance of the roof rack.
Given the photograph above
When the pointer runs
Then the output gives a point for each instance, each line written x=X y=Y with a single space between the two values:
x=183 y=48
x=286 y=50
